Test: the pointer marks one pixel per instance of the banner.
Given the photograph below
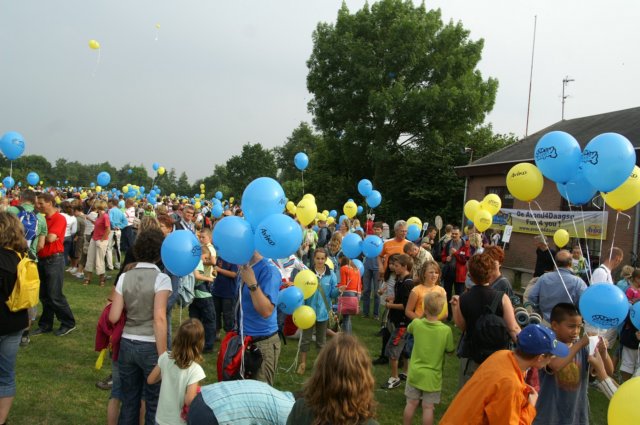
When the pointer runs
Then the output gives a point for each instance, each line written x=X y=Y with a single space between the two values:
x=550 y=221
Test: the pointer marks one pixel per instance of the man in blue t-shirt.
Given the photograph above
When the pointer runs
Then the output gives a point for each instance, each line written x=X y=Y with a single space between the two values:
x=260 y=286
x=225 y=291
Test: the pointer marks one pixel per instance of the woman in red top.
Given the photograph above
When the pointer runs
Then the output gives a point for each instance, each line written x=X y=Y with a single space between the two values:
x=350 y=285
x=98 y=245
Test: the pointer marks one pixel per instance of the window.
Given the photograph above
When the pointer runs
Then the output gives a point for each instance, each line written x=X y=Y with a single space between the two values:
x=503 y=193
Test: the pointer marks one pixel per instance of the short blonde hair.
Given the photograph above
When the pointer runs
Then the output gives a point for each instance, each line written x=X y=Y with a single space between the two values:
x=433 y=303
x=626 y=272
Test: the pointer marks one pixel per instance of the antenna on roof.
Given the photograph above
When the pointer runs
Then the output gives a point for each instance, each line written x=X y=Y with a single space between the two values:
x=533 y=49
x=565 y=82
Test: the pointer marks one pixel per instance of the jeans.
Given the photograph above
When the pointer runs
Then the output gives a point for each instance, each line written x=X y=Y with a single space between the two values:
x=8 y=352
x=51 y=270
x=224 y=313
x=370 y=283
x=204 y=310
x=68 y=249
x=128 y=238
x=346 y=319
x=135 y=362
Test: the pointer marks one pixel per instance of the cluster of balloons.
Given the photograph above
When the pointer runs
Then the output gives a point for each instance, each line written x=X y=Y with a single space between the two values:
x=158 y=168
x=372 y=196
x=301 y=161
x=607 y=165
x=414 y=226
x=481 y=213
x=291 y=299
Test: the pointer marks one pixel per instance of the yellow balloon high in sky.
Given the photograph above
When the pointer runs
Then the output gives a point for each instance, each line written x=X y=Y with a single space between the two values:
x=161 y=171
x=93 y=44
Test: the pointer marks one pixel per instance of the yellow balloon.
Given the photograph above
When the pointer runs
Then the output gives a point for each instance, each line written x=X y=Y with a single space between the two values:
x=41 y=182
x=304 y=317
x=309 y=196
x=197 y=205
x=125 y=189
x=158 y=26
x=350 y=209
x=231 y=200
x=471 y=208
x=321 y=217
x=626 y=195
x=329 y=262
x=525 y=181
x=414 y=220
x=291 y=207
x=136 y=187
x=491 y=203
x=201 y=185
x=330 y=220
x=83 y=195
x=306 y=211
x=93 y=44
x=326 y=213
x=561 y=238
x=307 y=282
x=623 y=407
x=58 y=200
x=98 y=189
x=172 y=196
x=482 y=220
x=161 y=171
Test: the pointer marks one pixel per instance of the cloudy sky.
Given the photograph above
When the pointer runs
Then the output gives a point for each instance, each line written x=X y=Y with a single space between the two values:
x=223 y=73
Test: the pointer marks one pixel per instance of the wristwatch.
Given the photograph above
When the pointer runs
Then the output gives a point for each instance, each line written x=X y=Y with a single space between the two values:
x=253 y=287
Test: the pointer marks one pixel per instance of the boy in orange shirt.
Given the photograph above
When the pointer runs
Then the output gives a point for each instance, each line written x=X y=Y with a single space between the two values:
x=497 y=393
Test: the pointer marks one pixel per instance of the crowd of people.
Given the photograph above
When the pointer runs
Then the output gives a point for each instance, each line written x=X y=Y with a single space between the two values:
x=510 y=371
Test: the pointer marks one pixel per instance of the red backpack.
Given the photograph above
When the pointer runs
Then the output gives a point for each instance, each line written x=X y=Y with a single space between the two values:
x=230 y=360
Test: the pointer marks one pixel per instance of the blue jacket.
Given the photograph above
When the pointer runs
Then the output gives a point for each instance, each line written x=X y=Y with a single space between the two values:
x=329 y=283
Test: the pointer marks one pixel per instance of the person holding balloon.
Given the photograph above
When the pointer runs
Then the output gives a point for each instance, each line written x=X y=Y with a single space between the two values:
x=350 y=286
x=320 y=301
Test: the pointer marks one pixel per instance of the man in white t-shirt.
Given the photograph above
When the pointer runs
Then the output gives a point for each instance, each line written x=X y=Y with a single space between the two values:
x=611 y=261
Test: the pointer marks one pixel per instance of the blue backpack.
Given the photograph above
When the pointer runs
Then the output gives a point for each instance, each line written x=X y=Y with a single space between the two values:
x=29 y=221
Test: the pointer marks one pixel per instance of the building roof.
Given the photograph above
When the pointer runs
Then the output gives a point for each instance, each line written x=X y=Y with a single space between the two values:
x=625 y=122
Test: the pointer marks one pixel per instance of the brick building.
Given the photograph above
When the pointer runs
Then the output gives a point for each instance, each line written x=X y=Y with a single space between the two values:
x=488 y=175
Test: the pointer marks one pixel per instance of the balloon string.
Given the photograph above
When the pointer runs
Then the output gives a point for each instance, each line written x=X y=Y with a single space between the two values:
x=575 y=228
x=240 y=322
x=157 y=34
x=302 y=172
x=604 y=208
x=615 y=227
x=294 y=365
x=93 y=74
x=10 y=168
x=586 y=245
x=544 y=238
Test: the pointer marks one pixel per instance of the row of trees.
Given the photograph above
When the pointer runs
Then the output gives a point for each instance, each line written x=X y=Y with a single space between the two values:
x=397 y=97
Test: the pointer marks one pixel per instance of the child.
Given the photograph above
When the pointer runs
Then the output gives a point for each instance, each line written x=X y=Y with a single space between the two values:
x=497 y=393
x=630 y=358
x=202 y=307
x=370 y=280
x=350 y=285
x=180 y=373
x=386 y=294
x=432 y=340
x=564 y=382
x=397 y=317
x=205 y=242
x=633 y=291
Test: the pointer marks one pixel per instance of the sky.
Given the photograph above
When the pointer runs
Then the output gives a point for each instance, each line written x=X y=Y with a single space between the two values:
x=218 y=74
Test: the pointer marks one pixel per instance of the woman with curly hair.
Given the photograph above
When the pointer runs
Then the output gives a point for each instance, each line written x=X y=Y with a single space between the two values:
x=12 y=241
x=340 y=389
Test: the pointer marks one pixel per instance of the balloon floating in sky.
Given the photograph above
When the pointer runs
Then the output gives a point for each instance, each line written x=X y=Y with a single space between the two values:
x=12 y=145
x=33 y=178
x=155 y=166
x=93 y=44
x=161 y=171
x=104 y=178
x=301 y=161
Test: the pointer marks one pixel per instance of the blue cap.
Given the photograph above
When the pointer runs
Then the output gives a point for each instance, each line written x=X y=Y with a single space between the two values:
x=537 y=339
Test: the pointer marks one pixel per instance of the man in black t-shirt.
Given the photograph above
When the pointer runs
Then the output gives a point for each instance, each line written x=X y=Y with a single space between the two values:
x=544 y=256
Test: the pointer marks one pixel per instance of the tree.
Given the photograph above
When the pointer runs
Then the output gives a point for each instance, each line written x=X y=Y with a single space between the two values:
x=254 y=161
x=390 y=82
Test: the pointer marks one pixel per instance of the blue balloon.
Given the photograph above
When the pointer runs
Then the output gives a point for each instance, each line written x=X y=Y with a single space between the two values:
x=301 y=160
x=359 y=265
x=197 y=196
x=413 y=232
x=218 y=195
x=121 y=204
x=151 y=199
x=360 y=209
x=181 y=252
x=604 y=305
x=261 y=198
x=217 y=210
x=333 y=213
x=158 y=191
x=142 y=189
x=577 y=191
x=66 y=182
x=372 y=246
x=12 y=145
x=114 y=190
x=290 y=299
x=374 y=199
x=129 y=171
x=233 y=239
x=607 y=161
x=342 y=218
x=557 y=155
x=92 y=185
x=19 y=184
x=634 y=314
x=277 y=236
x=365 y=187
x=350 y=200
x=152 y=193
x=104 y=178
x=33 y=178
x=352 y=245
x=315 y=228
x=155 y=166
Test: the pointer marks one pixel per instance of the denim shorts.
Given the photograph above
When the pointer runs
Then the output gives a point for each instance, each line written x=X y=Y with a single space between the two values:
x=9 y=345
x=116 y=388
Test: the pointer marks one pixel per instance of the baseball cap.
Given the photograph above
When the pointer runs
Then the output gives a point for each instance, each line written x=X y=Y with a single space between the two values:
x=537 y=339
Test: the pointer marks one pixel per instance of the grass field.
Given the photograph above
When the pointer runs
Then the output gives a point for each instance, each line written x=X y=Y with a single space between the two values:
x=56 y=376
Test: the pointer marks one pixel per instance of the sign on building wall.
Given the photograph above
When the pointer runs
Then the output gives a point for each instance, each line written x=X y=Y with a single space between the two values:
x=589 y=224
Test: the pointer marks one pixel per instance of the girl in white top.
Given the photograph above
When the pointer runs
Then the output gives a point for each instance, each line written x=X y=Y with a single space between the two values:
x=180 y=373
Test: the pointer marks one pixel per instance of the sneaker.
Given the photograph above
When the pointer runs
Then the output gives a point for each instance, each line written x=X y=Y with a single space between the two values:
x=79 y=275
x=117 y=266
x=402 y=376
x=25 y=340
x=381 y=361
x=106 y=383
x=392 y=383
x=72 y=270
x=64 y=330
x=40 y=331
x=68 y=269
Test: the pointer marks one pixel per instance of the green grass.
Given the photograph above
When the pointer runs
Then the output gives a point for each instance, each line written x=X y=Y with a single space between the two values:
x=56 y=376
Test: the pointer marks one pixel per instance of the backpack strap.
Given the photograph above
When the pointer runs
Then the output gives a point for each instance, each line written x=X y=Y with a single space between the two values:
x=497 y=298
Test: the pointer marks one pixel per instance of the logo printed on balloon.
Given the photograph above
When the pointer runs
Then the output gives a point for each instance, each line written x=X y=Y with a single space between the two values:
x=604 y=321
x=546 y=153
x=519 y=173
x=590 y=156
x=267 y=237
